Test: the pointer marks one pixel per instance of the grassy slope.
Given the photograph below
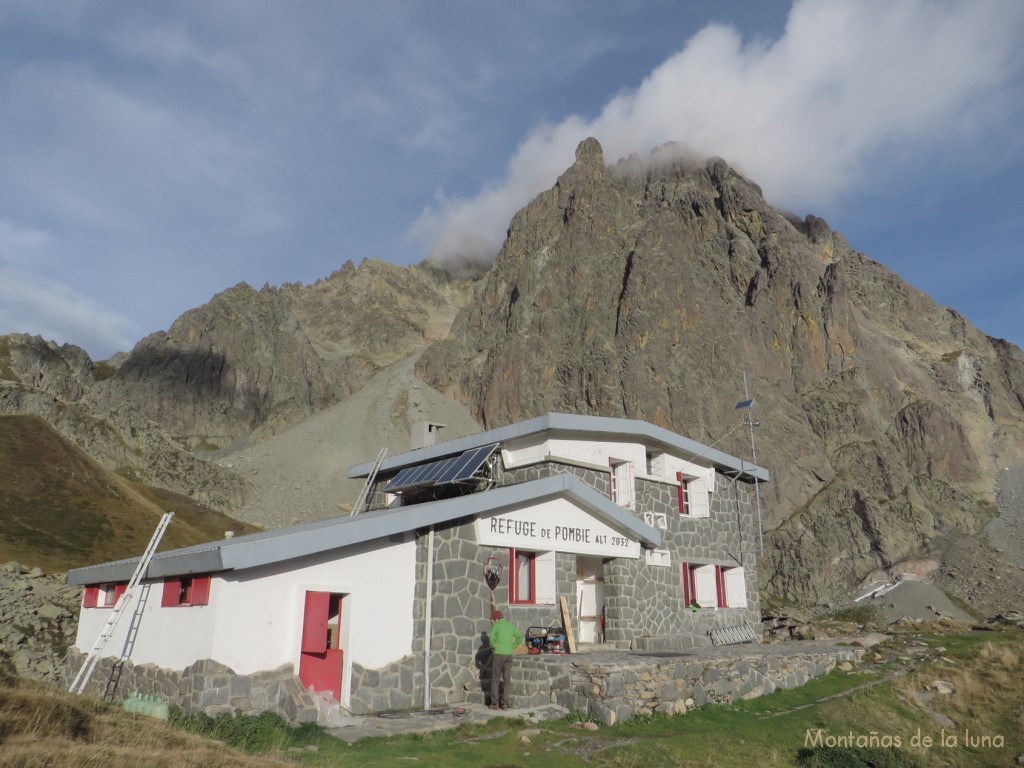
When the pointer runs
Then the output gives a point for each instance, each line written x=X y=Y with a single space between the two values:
x=59 y=509
x=49 y=728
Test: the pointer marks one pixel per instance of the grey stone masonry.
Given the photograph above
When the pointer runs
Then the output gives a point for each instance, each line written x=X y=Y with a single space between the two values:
x=205 y=686
x=397 y=686
x=644 y=603
x=613 y=687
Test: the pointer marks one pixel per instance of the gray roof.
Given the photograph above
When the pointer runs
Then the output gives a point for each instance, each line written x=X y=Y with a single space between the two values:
x=597 y=427
x=266 y=547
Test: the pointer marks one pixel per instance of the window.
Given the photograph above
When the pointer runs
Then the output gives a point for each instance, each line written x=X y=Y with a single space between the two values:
x=700 y=585
x=693 y=496
x=522 y=577
x=732 y=588
x=186 y=590
x=111 y=593
x=531 y=577
x=103 y=595
x=623 y=489
x=689 y=588
x=684 y=493
x=714 y=586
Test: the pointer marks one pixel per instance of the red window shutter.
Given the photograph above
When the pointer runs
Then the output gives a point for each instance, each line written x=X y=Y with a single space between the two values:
x=200 y=590
x=314 y=622
x=687 y=592
x=681 y=491
x=513 y=580
x=92 y=595
x=720 y=586
x=119 y=589
x=172 y=592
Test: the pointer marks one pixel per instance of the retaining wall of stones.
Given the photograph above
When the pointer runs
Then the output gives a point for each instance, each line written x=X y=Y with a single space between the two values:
x=613 y=688
x=205 y=686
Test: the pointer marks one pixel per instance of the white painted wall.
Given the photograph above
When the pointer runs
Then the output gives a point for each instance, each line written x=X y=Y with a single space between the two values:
x=592 y=453
x=160 y=639
x=598 y=453
x=254 y=619
x=260 y=620
x=556 y=525
x=690 y=470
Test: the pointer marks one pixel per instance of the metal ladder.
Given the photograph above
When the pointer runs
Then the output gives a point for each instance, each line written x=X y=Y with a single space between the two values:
x=82 y=678
x=129 y=643
x=369 y=482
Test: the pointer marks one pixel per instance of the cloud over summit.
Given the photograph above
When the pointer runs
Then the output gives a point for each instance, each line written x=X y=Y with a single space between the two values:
x=802 y=115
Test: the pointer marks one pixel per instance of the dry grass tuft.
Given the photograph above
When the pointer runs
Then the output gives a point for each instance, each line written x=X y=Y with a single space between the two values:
x=983 y=684
x=1005 y=656
x=41 y=727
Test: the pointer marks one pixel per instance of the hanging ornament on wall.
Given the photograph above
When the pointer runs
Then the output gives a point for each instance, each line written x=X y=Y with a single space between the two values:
x=492 y=572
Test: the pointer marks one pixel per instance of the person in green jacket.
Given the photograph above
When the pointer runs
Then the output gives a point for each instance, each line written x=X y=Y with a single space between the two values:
x=504 y=639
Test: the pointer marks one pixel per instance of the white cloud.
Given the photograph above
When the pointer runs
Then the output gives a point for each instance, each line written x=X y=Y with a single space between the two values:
x=34 y=305
x=801 y=115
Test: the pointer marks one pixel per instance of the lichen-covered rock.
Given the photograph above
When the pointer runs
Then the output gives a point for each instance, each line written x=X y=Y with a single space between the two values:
x=38 y=621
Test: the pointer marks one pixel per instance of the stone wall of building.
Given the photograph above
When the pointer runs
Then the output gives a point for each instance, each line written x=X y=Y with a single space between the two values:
x=461 y=608
x=397 y=686
x=644 y=603
x=205 y=686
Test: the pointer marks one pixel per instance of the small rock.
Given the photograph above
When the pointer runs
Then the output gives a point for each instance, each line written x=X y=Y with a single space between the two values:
x=590 y=726
x=941 y=687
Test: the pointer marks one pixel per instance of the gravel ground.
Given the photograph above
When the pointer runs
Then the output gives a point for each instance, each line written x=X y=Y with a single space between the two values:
x=299 y=475
x=916 y=600
x=987 y=571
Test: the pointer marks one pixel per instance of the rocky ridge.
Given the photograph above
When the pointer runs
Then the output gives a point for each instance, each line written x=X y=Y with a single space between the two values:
x=648 y=289
x=644 y=289
x=227 y=375
x=55 y=382
x=251 y=363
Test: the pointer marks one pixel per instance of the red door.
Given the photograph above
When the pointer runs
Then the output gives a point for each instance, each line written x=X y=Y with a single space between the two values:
x=321 y=657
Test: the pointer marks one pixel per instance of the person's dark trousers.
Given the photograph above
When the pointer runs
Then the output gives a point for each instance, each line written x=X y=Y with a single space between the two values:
x=501 y=672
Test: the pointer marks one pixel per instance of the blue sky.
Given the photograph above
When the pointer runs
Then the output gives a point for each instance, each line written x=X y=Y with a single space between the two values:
x=154 y=154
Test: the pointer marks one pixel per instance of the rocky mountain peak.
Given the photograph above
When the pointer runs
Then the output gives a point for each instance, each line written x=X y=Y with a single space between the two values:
x=648 y=291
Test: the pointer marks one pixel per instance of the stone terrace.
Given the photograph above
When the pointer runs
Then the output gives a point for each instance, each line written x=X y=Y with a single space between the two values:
x=613 y=686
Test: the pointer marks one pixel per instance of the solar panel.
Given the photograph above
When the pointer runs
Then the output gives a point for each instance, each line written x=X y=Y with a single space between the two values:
x=470 y=463
x=454 y=469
